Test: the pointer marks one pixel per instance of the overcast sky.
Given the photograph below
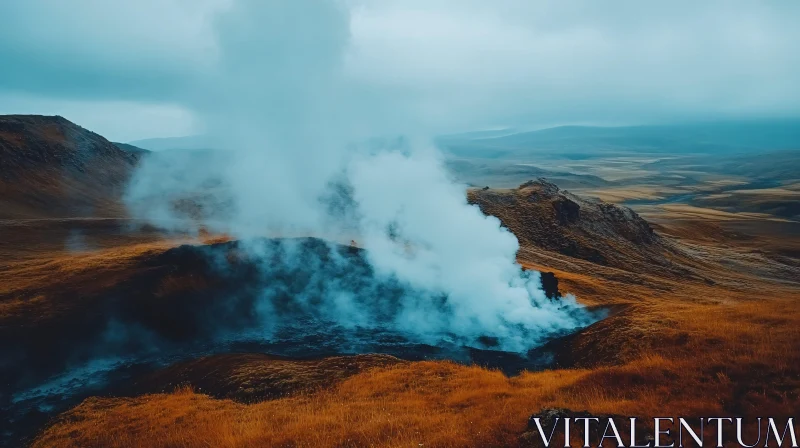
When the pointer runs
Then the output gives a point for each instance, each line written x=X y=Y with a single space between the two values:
x=130 y=70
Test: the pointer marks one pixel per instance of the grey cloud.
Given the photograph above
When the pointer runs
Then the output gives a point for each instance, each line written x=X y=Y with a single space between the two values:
x=577 y=61
x=93 y=49
x=445 y=63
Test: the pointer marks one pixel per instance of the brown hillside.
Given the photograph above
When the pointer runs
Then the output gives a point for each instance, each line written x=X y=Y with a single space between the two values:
x=55 y=168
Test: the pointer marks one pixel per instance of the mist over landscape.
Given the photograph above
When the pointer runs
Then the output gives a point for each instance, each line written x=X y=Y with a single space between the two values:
x=446 y=215
x=396 y=200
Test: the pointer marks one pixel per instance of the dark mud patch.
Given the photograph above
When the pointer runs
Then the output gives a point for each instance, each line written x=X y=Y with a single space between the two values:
x=253 y=377
x=582 y=348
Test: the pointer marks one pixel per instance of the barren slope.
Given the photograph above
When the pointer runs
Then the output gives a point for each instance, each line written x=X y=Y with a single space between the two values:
x=52 y=167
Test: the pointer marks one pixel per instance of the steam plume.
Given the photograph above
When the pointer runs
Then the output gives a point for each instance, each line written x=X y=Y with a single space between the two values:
x=309 y=154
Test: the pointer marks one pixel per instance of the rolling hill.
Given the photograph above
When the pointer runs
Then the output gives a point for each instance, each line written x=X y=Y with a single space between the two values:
x=52 y=168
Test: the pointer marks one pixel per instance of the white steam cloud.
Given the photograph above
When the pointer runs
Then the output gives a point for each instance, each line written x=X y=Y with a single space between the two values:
x=312 y=152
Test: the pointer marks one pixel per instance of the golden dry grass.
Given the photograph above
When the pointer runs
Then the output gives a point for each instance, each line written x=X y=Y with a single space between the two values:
x=704 y=351
x=427 y=403
x=629 y=192
x=27 y=284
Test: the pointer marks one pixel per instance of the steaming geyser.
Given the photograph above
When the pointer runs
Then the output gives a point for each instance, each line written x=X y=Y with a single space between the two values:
x=293 y=126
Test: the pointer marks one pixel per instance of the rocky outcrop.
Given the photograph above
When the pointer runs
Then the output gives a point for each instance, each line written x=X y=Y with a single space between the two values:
x=550 y=285
x=542 y=216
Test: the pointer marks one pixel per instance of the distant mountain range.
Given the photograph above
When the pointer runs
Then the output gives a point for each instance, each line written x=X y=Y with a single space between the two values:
x=726 y=137
x=170 y=143
x=585 y=141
